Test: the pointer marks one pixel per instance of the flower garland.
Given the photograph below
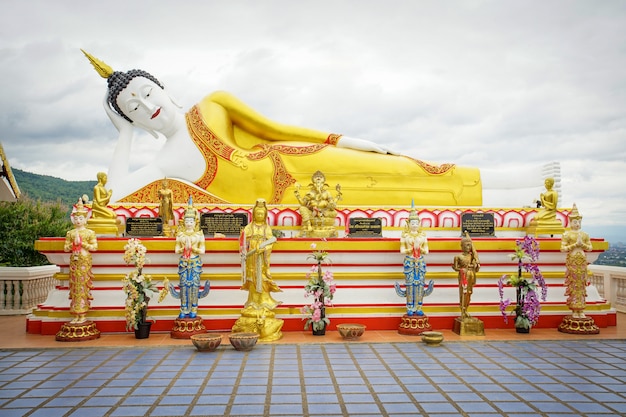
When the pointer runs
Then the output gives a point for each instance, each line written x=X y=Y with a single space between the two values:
x=138 y=287
x=321 y=286
x=527 y=306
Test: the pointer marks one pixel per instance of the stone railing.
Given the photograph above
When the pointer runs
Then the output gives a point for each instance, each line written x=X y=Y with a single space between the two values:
x=611 y=284
x=23 y=288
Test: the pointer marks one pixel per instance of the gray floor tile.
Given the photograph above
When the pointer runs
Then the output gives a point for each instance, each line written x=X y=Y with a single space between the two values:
x=475 y=379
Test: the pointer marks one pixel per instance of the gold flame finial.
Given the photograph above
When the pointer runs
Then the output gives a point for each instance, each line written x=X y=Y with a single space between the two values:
x=575 y=214
x=103 y=69
x=79 y=209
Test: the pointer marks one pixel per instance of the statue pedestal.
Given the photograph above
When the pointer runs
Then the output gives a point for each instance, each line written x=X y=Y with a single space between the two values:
x=168 y=231
x=78 y=332
x=268 y=328
x=187 y=327
x=319 y=233
x=578 y=325
x=414 y=325
x=105 y=227
x=469 y=326
x=544 y=228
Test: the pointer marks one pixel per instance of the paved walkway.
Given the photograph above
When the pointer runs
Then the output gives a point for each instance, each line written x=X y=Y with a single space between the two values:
x=475 y=378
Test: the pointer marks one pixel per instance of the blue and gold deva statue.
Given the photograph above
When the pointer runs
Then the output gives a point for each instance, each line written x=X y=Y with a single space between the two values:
x=190 y=244
x=414 y=245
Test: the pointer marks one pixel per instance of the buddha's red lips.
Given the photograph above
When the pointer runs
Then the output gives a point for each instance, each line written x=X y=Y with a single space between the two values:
x=156 y=113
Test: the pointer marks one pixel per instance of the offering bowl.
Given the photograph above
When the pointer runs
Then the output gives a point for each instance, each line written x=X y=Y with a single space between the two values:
x=432 y=338
x=351 y=330
x=206 y=342
x=243 y=341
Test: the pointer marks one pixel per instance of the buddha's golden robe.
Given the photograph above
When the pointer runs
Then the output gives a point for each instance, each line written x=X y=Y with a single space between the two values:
x=248 y=157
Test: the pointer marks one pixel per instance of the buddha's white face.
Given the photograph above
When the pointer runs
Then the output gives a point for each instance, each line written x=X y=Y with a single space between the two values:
x=414 y=225
x=147 y=105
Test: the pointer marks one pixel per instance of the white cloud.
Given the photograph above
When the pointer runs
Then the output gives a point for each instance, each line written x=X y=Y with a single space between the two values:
x=481 y=83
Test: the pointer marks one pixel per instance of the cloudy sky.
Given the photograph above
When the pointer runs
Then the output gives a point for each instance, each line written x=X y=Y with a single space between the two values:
x=492 y=84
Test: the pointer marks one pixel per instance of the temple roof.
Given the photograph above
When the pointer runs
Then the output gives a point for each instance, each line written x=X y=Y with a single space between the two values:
x=9 y=191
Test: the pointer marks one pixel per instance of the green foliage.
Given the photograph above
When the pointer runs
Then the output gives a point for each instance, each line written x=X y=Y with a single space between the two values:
x=47 y=188
x=25 y=221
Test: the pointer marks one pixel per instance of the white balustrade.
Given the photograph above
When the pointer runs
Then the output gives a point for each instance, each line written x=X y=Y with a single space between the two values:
x=22 y=289
x=611 y=284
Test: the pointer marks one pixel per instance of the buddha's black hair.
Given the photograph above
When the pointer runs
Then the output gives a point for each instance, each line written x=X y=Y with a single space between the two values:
x=119 y=80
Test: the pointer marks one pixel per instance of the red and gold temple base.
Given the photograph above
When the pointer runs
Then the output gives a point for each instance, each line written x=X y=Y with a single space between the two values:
x=578 y=325
x=187 y=327
x=78 y=332
x=414 y=325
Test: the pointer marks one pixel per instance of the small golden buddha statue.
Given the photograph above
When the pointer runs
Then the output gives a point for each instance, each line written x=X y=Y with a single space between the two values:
x=545 y=221
x=103 y=219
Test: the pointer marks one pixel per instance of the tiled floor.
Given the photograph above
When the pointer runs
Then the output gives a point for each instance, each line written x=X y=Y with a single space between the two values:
x=545 y=373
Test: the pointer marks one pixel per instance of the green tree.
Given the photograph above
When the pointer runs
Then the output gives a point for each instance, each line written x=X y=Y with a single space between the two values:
x=22 y=223
x=47 y=188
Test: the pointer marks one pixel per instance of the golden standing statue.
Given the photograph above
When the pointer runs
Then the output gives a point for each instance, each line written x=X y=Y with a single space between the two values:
x=318 y=208
x=256 y=243
x=166 y=207
x=467 y=264
x=80 y=241
x=576 y=242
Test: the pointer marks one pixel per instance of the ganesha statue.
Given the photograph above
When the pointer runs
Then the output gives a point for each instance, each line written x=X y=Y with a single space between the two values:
x=318 y=208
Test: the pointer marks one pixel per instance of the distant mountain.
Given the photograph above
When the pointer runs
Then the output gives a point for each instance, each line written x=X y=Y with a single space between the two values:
x=614 y=256
x=47 y=188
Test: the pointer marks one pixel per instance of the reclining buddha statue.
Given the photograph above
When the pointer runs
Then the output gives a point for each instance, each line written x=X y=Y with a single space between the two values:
x=221 y=151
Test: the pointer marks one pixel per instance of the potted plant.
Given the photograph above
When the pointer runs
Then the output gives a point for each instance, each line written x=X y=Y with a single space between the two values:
x=139 y=289
x=527 y=306
x=321 y=286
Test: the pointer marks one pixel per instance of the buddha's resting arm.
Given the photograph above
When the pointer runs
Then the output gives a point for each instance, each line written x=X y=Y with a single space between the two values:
x=120 y=162
x=121 y=179
x=253 y=122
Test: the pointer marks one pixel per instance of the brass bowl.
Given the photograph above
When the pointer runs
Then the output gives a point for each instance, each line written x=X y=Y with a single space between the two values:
x=243 y=341
x=206 y=342
x=432 y=338
x=351 y=330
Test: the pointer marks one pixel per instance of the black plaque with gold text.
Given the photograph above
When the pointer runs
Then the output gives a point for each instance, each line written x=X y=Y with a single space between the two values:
x=365 y=227
x=229 y=224
x=144 y=226
x=478 y=224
